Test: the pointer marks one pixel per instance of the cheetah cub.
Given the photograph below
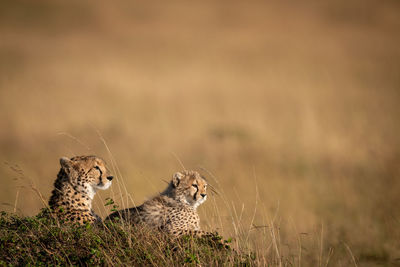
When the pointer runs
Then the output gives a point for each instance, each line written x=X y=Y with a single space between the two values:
x=77 y=182
x=174 y=210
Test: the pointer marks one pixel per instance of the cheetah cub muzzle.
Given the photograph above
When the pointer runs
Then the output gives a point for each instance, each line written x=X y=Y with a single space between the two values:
x=77 y=182
x=175 y=209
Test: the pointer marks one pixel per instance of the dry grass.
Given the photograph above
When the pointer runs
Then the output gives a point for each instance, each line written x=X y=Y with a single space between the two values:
x=290 y=109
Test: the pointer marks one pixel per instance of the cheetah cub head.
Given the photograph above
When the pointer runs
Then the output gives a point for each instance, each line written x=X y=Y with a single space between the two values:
x=188 y=187
x=87 y=174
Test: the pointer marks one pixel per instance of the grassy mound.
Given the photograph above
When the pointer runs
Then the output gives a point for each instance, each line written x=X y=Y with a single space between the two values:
x=43 y=241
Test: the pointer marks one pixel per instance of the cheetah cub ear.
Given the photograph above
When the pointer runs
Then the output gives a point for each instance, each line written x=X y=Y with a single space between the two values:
x=65 y=163
x=176 y=179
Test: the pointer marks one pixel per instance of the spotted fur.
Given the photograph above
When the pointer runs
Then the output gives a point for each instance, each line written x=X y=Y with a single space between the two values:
x=174 y=210
x=77 y=182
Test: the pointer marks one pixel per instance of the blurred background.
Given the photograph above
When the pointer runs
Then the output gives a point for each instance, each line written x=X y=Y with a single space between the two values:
x=290 y=110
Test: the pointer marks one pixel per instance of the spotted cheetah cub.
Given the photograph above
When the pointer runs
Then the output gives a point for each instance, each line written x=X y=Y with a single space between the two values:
x=77 y=182
x=174 y=210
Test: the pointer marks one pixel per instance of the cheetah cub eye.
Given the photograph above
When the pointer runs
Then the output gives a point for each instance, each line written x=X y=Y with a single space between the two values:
x=98 y=168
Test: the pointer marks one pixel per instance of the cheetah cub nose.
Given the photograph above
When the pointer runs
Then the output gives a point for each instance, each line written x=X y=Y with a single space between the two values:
x=110 y=178
x=203 y=195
